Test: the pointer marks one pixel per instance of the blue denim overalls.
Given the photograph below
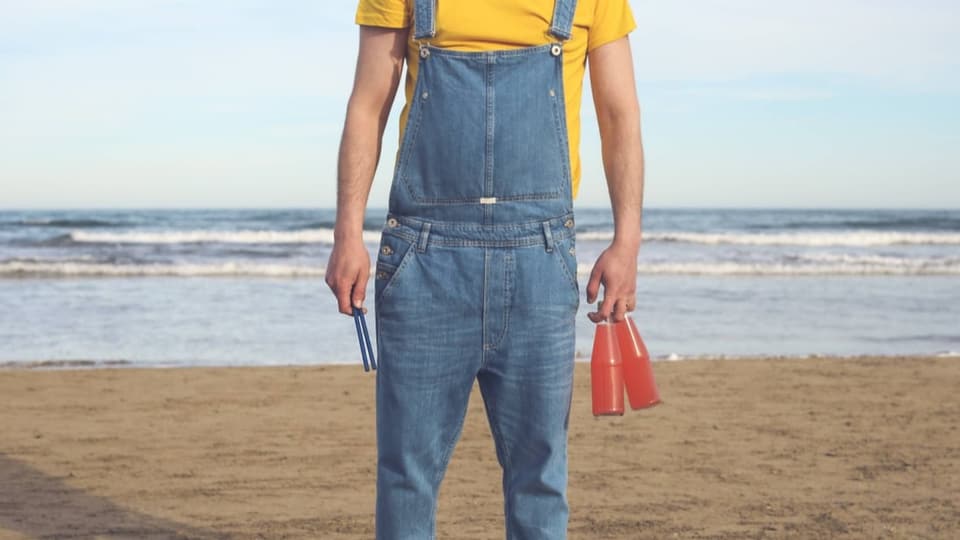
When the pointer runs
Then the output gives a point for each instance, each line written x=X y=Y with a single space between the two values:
x=476 y=280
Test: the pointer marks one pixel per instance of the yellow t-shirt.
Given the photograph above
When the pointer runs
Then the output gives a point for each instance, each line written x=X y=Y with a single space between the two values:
x=471 y=25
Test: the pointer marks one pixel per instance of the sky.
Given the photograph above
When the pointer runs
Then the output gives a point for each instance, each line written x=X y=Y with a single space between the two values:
x=240 y=103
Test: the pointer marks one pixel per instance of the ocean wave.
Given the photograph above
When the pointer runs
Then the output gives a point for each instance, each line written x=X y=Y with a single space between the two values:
x=326 y=236
x=310 y=236
x=819 y=239
x=937 y=222
x=63 y=223
x=903 y=267
x=846 y=265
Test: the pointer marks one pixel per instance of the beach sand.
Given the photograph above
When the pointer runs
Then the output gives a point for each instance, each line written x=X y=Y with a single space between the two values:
x=769 y=448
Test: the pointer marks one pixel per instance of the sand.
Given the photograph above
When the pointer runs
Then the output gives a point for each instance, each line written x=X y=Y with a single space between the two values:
x=771 y=448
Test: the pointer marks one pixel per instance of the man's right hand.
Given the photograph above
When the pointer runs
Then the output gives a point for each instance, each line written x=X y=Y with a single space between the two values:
x=347 y=273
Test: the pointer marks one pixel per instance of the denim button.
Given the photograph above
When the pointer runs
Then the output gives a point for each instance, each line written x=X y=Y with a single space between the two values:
x=381 y=275
x=573 y=251
x=392 y=222
x=568 y=223
x=555 y=50
x=387 y=250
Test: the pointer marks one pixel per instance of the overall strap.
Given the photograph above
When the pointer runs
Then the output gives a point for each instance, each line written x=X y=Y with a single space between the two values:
x=424 y=18
x=562 y=25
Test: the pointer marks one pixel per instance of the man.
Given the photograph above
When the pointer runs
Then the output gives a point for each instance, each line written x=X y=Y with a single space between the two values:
x=476 y=269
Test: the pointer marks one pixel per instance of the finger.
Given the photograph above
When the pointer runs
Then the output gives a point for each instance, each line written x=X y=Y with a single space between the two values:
x=606 y=307
x=360 y=289
x=593 y=286
x=342 y=291
x=619 y=310
x=597 y=316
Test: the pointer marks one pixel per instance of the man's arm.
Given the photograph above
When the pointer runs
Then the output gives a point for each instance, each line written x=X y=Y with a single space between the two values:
x=379 y=63
x=618 y=115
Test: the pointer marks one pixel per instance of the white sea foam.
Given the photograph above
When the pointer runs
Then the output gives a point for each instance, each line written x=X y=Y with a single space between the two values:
x=828 y=265
x=846 y=238
x=66 y=269
x=325 y=236
x=808 y=265
x=306 y=236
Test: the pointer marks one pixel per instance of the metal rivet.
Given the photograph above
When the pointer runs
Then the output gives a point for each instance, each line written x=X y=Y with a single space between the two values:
x=573 y=251
x=424 y=95
x=556 y=49
x=386 y=250
x=552 y=93
x=381 y=275
x=424 y=52
x=392 y=222
x=568 y=223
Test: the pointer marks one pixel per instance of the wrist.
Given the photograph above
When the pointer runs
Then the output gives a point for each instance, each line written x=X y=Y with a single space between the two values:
x=347 y=232
x=628 y=241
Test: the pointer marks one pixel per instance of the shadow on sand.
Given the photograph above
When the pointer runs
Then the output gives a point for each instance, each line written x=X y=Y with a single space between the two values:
x=38 y=505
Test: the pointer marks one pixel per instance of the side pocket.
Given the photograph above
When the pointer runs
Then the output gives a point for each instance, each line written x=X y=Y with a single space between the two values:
x=566 y=256
x=393 y=256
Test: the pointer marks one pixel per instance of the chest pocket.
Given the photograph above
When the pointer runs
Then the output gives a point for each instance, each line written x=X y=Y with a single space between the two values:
x=486 y=125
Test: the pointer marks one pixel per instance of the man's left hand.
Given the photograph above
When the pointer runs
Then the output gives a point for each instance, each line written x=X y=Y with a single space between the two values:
x=616 y=270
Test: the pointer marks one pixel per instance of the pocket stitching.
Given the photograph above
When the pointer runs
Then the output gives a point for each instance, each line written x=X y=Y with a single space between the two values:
x=562 y=261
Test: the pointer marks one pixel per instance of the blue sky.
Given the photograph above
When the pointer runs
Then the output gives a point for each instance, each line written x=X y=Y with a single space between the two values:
x=746 y=103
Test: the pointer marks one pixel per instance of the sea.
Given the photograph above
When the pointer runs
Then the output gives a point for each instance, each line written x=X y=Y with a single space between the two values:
x=196 y=287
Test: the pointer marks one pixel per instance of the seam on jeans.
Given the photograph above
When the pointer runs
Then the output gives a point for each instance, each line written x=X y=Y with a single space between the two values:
x=558 y=255
x=489 y=127
x=532 y=224
x=483 y=302
x=536 y=196
x=509 y=267
x=500 y=443
x=497 y=433
x=411 y=134
x=448 y=450
x=437 y=239
x=486 y=56
x=560 y=123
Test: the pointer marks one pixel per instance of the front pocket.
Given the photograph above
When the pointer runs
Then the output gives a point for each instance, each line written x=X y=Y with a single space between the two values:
x=564 y=253
x=393 y=256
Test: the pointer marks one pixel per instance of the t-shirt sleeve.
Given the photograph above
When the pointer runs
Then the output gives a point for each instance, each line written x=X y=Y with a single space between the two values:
x=612 y=19
x=385 y=13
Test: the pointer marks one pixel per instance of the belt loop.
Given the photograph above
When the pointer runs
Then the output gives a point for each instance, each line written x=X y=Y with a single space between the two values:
x=547 y=236
x=424 y=234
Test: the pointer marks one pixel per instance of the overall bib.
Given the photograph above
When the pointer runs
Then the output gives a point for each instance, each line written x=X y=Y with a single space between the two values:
x=476 y=280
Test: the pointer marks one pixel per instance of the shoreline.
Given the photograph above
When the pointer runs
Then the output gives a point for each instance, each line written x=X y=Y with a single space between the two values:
x=86 y=364
x=739 y=449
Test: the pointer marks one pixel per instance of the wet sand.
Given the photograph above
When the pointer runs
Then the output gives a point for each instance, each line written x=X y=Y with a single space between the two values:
x=772 y=448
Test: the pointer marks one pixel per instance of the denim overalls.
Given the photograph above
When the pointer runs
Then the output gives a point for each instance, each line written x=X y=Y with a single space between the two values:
x=476 y=280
